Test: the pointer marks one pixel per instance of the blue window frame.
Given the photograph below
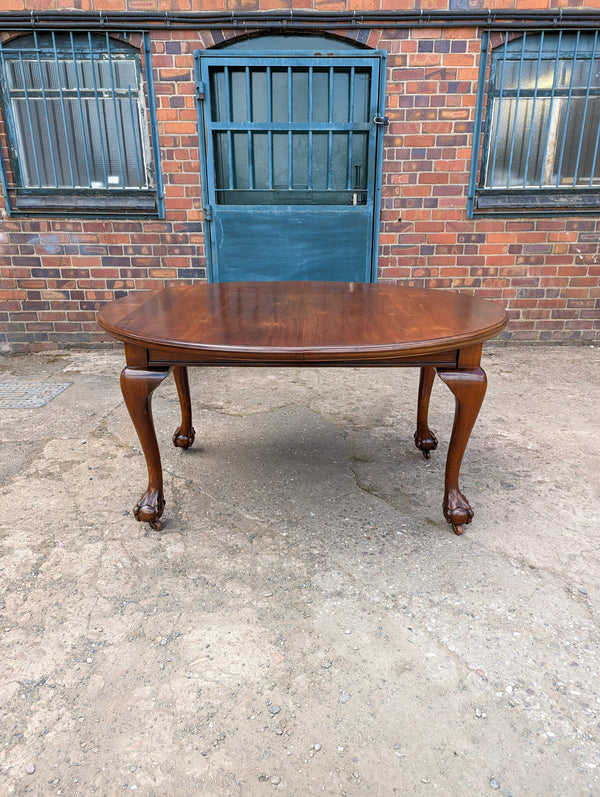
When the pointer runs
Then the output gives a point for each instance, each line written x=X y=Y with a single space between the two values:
x=541 y=123
x=77 y=125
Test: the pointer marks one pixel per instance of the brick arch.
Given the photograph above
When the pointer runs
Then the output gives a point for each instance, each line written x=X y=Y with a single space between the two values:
x=133 y=40
x=355 y=38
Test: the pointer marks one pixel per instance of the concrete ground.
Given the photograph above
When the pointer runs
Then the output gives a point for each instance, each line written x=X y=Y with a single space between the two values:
x=306 y=622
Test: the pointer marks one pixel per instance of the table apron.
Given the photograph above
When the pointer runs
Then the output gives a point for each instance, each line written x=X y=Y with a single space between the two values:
x=159 y=357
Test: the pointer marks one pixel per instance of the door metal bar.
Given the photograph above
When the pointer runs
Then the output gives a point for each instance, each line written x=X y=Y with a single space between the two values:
x=290 y=134
x=270 y=122
x=330 y=133
x=229 y=134
x=249 y=136
x=310 y=132
x=351 y=132
x=297 y=127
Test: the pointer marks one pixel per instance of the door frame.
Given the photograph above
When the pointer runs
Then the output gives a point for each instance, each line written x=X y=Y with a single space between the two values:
x=203 y=59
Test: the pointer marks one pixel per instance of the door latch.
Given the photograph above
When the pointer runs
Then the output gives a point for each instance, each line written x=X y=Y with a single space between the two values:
x=381 y=120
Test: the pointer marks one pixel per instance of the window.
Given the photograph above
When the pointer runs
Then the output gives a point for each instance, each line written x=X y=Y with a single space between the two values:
x=541 y=134
x=76 y=124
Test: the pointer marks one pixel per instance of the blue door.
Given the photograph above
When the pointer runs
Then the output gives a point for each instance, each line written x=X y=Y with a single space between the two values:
x=292 y=145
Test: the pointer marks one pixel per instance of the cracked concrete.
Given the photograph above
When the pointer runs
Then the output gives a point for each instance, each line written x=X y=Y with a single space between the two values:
x=306 y=622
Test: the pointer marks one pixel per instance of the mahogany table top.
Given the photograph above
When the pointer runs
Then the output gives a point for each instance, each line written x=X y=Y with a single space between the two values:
x=302 y=322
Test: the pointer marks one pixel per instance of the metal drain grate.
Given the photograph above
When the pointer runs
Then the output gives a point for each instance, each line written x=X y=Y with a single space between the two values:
x=19 y=395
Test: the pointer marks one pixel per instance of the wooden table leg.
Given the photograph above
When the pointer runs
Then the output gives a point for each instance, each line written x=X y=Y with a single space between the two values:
x=137 y=386
x=184 y=434
x=468 y=387
x=425 y=440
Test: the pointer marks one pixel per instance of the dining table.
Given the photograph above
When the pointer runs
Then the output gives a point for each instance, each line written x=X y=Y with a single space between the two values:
x=304 y=324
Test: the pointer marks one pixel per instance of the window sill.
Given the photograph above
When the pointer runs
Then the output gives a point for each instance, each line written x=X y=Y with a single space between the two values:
x=86 y=204
x=555 y=201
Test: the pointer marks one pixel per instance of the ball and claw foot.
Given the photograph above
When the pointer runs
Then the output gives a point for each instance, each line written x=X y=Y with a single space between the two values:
x=457 y=511
x=427 y=443
x=149 y=509
x=184 y=437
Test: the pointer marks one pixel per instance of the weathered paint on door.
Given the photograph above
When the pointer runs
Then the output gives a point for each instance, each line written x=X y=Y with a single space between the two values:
x=292 y=163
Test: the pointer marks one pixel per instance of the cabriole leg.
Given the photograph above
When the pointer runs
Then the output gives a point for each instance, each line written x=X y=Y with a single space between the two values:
x=184 y=434
x=425 y=440
x=137 y=386
x=468 y=387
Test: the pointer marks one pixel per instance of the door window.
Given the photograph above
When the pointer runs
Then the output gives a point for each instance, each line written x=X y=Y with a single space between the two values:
x=290 y=135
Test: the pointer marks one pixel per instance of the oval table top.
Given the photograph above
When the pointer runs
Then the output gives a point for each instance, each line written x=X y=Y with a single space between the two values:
x=302 y=320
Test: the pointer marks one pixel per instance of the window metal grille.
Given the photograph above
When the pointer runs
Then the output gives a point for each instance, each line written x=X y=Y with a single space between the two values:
x=542 y=127
x=75 y=115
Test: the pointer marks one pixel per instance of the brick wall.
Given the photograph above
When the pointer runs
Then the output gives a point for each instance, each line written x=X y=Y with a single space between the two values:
x=56 y=273
x=545 y=271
